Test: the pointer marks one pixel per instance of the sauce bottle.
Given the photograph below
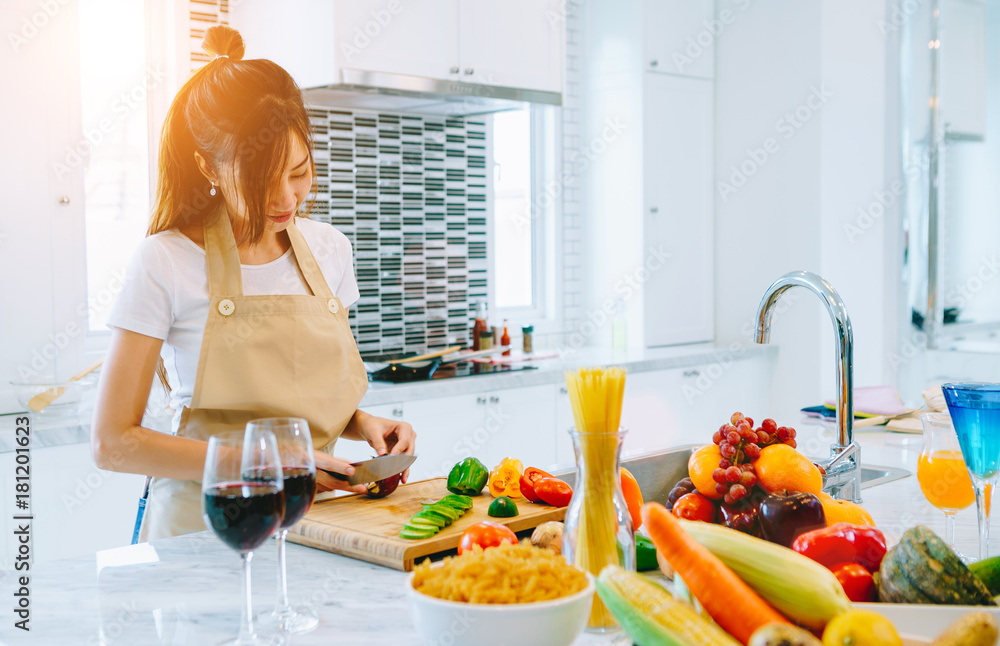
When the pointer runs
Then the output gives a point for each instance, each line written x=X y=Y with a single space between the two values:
x=479 y=326
x=505 y=339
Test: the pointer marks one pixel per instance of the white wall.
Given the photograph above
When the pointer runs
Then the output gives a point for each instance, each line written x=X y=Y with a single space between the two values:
x=809 y=79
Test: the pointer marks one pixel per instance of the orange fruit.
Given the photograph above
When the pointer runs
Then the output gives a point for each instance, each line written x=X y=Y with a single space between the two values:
x=782 y=468
x=844 y=511
x=701 y=464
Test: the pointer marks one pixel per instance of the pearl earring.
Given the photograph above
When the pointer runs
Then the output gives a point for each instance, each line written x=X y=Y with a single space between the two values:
x=212 y=192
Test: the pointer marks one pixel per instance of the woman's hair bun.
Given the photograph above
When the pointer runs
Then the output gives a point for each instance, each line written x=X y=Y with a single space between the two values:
x=222 y=40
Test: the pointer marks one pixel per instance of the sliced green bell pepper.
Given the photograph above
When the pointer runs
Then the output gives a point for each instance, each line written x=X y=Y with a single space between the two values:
x=468 y=477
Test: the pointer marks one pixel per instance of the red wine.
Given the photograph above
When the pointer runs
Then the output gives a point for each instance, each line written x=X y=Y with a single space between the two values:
x=300 y=488
x=243 y=514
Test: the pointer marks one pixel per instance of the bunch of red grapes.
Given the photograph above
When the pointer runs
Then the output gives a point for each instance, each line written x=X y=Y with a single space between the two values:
x=740 y=444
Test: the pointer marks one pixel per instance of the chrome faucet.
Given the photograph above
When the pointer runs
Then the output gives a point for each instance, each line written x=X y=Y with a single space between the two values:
x=843 y=470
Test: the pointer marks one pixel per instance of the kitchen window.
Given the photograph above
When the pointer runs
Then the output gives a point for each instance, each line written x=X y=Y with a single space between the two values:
x=522 y=236
x=115 y=159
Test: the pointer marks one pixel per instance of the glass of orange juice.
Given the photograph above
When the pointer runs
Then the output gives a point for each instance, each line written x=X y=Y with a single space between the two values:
x=941 y=471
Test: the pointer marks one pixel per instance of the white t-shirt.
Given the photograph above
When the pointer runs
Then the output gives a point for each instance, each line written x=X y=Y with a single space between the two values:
x=165 y=293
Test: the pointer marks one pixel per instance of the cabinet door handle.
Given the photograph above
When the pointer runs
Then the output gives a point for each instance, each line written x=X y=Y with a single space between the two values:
x=453 y=70
x=563 y=390
x=654 y=210
x=480 y=400
x=64 y=200
x=397 y=413
x=494 y=400
x=692 y=373
x=654 y=63
x=468 y=71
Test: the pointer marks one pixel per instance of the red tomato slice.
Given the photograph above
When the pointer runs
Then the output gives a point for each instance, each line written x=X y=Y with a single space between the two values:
x=530 y=476
x=553 y=491
x=486 y=534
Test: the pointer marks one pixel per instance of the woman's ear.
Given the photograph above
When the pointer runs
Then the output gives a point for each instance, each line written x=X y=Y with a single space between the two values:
x=203 y=167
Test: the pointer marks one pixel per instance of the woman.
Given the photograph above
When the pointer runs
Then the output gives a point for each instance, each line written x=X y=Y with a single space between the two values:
x=237 y=304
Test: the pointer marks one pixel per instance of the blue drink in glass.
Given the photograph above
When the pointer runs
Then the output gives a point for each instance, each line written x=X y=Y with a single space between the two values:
x=975 y=413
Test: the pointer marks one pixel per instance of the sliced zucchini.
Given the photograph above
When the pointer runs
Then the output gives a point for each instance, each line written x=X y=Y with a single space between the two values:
x=435 y=519
x=410 y=533
x=423 y=522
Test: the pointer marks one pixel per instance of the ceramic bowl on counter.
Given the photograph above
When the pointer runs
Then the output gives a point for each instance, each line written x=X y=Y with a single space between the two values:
x=74 y=399
x=543 y=623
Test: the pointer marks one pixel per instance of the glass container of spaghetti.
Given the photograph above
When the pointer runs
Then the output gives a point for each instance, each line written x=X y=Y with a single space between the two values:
x=598 y=528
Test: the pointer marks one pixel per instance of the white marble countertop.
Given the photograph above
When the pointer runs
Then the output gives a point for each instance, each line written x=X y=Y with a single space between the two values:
x=186 y=590
x=52 y=431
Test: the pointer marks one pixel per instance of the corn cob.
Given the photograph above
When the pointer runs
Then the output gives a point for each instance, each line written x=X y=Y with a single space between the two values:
x=651 y=617
x=797 y=586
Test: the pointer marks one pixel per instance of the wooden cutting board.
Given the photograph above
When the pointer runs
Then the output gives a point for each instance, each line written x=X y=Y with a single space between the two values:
x=368 y=529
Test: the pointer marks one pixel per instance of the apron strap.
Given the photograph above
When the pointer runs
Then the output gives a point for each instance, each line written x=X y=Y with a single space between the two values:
x=307 y=263
x=225 y=277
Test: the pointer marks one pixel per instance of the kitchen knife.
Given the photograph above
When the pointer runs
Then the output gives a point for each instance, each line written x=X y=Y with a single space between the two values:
x=376 y=469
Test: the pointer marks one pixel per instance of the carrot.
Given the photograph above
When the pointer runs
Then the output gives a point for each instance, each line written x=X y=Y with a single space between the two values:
x=731 y=602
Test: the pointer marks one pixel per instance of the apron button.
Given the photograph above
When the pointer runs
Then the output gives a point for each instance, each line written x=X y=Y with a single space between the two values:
x=332 y=304
x=226 y=307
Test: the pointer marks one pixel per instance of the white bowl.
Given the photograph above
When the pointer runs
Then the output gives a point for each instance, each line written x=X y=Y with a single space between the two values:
x=543 y=623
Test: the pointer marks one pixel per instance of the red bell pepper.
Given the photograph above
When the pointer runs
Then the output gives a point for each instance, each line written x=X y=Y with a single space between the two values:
x=530 y=476
x=843 y=543
x=858 y=583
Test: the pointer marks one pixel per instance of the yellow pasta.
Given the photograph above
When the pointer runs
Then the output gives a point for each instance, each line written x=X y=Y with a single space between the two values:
x=500 y=575
x=596 y=395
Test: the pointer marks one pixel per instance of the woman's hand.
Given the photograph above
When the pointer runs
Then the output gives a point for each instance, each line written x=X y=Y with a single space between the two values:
x=386 y=436
x=326 y=482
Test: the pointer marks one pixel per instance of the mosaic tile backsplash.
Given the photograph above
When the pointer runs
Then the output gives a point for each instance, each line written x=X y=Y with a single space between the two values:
x=410 y=193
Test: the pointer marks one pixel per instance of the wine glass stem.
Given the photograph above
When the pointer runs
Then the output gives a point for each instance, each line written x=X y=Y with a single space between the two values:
x=982 y=506
x=949 y=529
x=283 y=607
x=246 y=623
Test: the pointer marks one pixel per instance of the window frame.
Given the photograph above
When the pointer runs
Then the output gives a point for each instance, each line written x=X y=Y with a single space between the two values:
x=546 y=210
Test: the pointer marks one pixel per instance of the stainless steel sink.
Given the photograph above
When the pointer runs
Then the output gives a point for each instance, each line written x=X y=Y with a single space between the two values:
x=658 y=472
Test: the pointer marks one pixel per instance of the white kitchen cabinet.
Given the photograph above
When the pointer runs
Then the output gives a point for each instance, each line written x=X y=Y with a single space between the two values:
x=516 y=43
x=77 y=507
x=679 y=36
x=420 y=39
x=448 y=429
x=521 y=423
x=565 y=459
x=677 y=155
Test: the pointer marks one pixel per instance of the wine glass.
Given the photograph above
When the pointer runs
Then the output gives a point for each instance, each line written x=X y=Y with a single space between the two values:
x=975 y=411
x=299 y=468
x=243 y=502
x=942 y=473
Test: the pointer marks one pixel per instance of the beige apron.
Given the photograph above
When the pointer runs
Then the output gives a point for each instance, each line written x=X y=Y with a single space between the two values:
x=261 y=356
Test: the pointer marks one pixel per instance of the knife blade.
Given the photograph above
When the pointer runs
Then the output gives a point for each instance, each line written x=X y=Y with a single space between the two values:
x=376 y=469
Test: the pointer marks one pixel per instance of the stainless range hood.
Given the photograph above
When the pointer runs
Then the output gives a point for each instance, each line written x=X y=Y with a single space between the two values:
x=361 y=89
